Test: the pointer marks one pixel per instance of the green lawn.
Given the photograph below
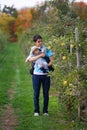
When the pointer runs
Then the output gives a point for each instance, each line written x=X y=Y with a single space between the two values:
x=14 y=75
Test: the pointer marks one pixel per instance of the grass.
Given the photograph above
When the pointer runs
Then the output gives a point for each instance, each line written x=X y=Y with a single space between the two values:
x=14 y=75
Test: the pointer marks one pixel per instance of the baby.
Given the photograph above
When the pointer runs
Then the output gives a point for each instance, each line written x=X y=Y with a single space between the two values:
x=41 y=62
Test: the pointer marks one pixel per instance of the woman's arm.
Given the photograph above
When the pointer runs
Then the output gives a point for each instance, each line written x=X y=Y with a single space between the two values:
x=33 y=58
x=51 y=61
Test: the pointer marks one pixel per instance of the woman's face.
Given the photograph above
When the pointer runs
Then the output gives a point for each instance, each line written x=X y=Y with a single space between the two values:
x=39 y=43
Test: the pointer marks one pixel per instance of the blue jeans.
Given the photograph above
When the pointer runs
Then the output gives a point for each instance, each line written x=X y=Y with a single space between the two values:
x=39 y=80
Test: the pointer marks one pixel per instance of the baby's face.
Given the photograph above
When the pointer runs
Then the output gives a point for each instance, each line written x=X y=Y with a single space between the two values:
x=36 y=52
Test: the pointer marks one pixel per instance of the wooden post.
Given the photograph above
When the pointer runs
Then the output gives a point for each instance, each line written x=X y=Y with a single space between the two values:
x=71 y=47
x=77 y=49
x=78 y=65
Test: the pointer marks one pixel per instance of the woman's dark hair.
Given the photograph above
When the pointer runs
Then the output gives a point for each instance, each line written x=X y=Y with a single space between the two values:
x=36 y=37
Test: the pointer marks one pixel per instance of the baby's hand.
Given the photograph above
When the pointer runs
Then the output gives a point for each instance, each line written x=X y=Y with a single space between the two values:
x=42 y=54
x=25 y=61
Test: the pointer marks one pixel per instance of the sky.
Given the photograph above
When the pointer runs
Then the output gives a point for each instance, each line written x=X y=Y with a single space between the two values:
x=18 y=4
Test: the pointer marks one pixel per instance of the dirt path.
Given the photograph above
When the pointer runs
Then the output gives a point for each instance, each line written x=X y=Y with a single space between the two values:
x=9 y=119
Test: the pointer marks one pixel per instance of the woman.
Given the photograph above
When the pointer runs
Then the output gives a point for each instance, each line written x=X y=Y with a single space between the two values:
x=39 y=77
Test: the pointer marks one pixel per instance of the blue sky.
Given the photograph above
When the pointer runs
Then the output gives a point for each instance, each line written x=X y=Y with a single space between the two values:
x=23 y=3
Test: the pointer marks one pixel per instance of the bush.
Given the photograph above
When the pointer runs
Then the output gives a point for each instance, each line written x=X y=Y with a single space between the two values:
x=3 y=40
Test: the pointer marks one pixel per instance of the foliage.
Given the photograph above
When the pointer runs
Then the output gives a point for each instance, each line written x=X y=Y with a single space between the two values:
x=70 y=81
x=81 y=9
x=7 y=24
x=14 y=22
x=52 y=13
x=3 y=40
x=25 y=17
x=34 y=13
x=62 y=5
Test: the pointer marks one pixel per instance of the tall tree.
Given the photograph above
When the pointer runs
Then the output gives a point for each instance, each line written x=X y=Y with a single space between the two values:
x=10 y=10
x=81 y=9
